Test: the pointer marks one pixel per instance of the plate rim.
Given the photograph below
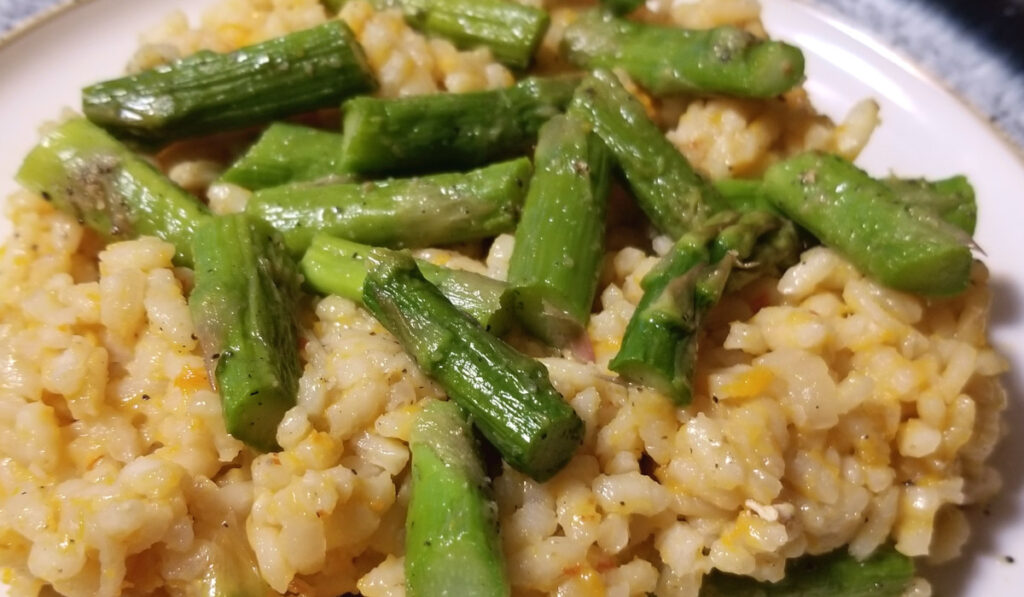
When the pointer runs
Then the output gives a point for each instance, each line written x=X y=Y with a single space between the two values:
x=36 y=20
x=908 y=63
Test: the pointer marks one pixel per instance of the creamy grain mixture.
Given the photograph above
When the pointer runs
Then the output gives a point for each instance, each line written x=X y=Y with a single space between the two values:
x=830 y=411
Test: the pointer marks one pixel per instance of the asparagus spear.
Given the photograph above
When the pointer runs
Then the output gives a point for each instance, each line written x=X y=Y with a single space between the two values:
x=512 y=31
x=666 y=60
x=656 y=350
x=451 y=531
x=560 y=238
x=659 y=347
x=298 y=72
x=245 y=297
x=951 y=199
x=508 y=395
x=448 y=131
x=287 y=153
x=333 y=265
x=92 y=176
x=411 y=212
x=886 y=573
x=861 y=218
x=674 y=196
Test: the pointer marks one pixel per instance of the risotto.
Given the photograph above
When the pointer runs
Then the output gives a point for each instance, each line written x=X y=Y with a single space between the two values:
x=829 y=410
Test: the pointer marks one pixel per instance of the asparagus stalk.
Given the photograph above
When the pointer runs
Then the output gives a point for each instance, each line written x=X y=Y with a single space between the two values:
x=411 y=212
x=451 y=531
x=298 y=72
x=667 y=60
x=656 y=350
x=87 y=173
x=560 y=238
x=672 y=194
x=333 y=265
x=659 y=347
x=861 y=218
x=886 y=573
x=774 y=253
x=512 y=31
x=448 y=131
x=508 y=395
x=287 y=153
x=244 y=302
x=951 y=199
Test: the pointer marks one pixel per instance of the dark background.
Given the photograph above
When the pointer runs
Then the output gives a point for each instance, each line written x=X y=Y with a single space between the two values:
x=998 y=24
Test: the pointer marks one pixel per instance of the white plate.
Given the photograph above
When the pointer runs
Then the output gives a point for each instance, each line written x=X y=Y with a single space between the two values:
x=925 y=132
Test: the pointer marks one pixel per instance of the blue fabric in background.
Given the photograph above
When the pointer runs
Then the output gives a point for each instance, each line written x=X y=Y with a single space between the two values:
x=975 y=46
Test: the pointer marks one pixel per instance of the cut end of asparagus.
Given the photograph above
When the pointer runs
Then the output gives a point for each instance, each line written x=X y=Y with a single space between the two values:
x=554 y=447
x=774 y=68
x=508 y=395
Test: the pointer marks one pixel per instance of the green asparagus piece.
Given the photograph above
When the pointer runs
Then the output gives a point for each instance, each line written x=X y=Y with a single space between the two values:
x=448 y=131
x=512 y=31
x=333 y=265
x=451 y=530
x=288 y=153
x=202 y=94
x=656 y=350
x=559 y=246
x=667 y=60
x=409 y=212
x=674 y=196
x=659 y=347
x=508 y=395
x=886 y=573
x=245 y=297
x=773 y=254
x=621 y=7
x=951 y=199
x=861 y=218
x=92 y=176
